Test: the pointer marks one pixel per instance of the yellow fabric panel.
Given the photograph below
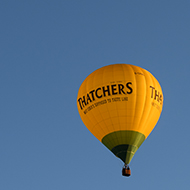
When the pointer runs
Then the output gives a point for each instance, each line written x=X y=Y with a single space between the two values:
x=120 y=97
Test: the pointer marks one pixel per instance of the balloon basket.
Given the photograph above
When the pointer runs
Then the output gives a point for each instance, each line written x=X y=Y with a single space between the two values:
x=126 y=171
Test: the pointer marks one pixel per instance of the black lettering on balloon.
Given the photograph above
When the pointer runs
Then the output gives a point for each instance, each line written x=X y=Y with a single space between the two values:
x=129 y=87
x=96 y=92
x=121 y=87
x=114 y=89
x=88 y=99
x=92 y=94
x=106 y=90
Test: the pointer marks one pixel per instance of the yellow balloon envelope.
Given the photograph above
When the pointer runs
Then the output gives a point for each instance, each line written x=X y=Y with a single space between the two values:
x=120 y=104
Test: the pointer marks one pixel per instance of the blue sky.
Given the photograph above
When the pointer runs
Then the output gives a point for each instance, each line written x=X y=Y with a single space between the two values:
x=47 y=49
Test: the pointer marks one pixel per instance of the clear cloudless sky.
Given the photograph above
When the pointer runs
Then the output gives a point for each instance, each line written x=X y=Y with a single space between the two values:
x=47 y=49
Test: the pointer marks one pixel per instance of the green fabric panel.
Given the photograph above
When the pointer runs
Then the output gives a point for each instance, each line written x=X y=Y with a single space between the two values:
x=125 y=152
x=124 y=144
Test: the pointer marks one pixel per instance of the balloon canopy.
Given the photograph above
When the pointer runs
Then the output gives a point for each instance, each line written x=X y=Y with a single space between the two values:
x=120 y=104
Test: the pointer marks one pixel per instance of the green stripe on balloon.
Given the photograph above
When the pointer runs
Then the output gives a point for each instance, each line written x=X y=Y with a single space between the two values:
x=123 y=144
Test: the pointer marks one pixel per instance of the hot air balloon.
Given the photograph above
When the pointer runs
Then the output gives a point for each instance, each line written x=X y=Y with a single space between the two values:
x=120 y=104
